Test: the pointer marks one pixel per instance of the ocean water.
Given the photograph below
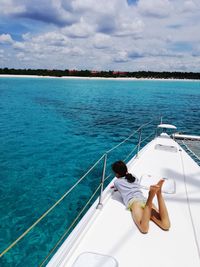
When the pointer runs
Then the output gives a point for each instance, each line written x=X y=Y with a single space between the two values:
x=53 y=130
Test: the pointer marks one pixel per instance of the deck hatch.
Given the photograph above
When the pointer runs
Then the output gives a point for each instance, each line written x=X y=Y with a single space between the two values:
x=90 y=259
x=146 y=180
x=166 y=148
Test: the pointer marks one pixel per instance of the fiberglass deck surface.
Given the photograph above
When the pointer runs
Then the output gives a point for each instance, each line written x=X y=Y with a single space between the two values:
x=113 y=232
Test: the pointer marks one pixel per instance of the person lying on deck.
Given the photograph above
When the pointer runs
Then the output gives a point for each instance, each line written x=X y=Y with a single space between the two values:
x=143 y=210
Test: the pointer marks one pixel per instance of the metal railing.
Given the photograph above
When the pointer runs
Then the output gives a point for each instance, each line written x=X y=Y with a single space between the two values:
x=104 y=178
x=139 y=131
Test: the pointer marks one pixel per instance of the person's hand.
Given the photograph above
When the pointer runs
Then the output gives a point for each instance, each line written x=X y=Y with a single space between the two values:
x=113 y=187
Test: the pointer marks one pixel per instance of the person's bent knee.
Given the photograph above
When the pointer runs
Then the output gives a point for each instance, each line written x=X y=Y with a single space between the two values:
x=144 y=230
x=166 y=226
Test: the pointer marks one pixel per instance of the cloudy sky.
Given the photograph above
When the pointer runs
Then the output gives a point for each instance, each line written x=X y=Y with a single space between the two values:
x=159 y=35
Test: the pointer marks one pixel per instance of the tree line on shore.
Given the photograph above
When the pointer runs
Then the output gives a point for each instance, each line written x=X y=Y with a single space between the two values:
x=105 y=74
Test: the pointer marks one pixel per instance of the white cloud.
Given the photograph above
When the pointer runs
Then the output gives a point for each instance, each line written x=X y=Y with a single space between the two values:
x=76 y=51
x=19 y=45
x=101 y=41
x=79 y=30
x=155 y=8
x=6 y=39
x=22 y=56
x=42 y=43
x=196 y=51
x=121 y=56
x=47 y=11
x=51 y=38
x=10 y=7
x=1 y=53
x=129 y=27
x=190 y=6
x=98 y=7
x=149 y=34
x=46 y=49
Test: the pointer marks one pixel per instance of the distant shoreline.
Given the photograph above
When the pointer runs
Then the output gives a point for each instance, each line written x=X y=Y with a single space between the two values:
x=94 y=78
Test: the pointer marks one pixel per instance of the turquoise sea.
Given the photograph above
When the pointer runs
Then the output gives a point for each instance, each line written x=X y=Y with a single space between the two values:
x=53 y=130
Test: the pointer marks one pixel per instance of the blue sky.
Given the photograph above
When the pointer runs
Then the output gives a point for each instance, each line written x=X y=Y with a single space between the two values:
x=132 y=35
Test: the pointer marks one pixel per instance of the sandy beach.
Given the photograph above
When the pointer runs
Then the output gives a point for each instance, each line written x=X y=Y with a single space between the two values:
x=93 y=78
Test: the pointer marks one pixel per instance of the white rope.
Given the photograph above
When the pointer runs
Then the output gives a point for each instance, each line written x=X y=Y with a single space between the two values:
x=131 y=153
x=129 y=137
x=147 y=137
x=70 y=227
x=67 y=193
x=47 y=212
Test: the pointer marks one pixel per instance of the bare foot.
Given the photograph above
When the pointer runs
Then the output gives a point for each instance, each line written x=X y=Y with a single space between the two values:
x=154 y=189
x=160 y=184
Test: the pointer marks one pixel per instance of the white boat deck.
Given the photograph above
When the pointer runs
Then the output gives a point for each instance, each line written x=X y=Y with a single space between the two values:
x=112 y=232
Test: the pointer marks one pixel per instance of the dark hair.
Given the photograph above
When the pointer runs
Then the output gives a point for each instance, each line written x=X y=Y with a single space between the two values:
x=120 y=168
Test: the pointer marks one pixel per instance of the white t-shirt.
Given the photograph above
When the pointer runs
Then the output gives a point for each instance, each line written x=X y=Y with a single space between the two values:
x=128 y=190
